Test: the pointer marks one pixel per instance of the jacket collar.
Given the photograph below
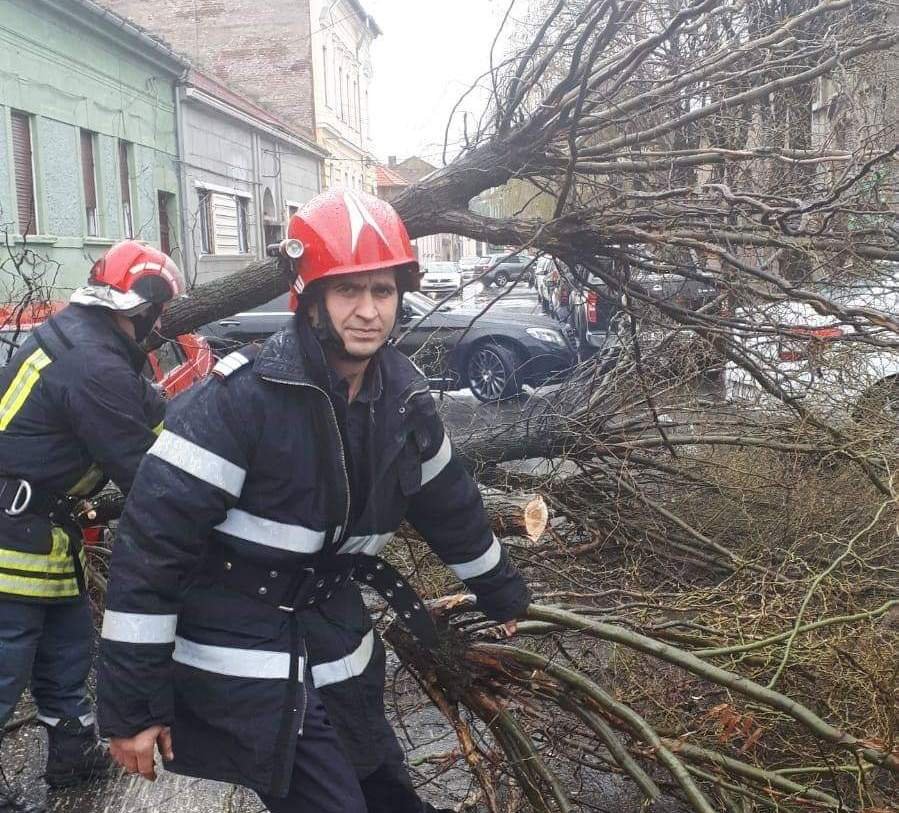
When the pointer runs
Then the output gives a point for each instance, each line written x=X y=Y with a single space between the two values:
x=294 y=355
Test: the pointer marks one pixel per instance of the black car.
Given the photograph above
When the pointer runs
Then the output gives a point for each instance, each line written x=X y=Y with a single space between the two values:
x=494 y=355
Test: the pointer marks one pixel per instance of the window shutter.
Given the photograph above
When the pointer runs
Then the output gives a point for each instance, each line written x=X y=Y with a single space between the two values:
x=225 y=223
x=24 y=171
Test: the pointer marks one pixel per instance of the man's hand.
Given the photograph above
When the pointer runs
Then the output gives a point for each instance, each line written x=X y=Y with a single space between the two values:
x=136 y=754
x=508 y=629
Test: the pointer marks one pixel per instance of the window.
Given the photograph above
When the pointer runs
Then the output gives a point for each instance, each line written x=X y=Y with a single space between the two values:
x=356 y=105
x=349 y=99
x=125 y=186
x=223 y=223
x=89 y=178
x=242 y=231
x=325 y=74
x=166 y=202
x=23 y=160
x=340 y=90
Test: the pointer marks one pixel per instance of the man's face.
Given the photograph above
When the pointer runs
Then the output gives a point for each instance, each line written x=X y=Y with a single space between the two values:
x=362 y=308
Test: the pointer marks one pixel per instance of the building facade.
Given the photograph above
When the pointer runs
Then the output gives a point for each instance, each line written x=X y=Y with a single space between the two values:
x=391 y=180
x=88 y=145
x=244 y=173
x=262 y=50
x=342 y=36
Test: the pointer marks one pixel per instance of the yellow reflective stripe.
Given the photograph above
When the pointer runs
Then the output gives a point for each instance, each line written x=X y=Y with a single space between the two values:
x=38 y=588
x=58 y=560
x=21 y=386
x=157 y=430
x=34 y=562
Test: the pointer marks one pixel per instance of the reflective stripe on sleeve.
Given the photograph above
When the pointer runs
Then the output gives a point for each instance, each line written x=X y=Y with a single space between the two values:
x=262 y=531
x=433 y=466
x=199 y=462
x=349 y=666
x=21 y=385
x=483 y=564
x=138 y=628
x=242 y=663
x=371 y=545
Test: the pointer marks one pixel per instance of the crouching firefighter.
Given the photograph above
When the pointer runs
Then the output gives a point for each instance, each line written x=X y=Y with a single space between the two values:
x=235 y=636
x=75 y=411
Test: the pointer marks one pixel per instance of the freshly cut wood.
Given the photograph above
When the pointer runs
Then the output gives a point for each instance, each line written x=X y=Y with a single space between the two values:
x=515 y=514
x=524 y=515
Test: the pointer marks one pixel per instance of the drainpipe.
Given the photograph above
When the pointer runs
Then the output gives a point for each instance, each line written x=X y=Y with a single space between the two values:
x=188 y=255
x=258 y=190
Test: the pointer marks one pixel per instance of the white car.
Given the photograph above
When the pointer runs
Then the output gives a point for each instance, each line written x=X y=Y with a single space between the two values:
x=542 y=270
x=822 y=361
x=441 y=278
x=467 y=265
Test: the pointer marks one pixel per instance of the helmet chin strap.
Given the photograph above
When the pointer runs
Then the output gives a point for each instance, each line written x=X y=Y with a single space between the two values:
x=324 y=329
x=327 y=334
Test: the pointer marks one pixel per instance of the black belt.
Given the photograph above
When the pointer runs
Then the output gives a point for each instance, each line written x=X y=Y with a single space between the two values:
x=18 y=496
x=295 y=591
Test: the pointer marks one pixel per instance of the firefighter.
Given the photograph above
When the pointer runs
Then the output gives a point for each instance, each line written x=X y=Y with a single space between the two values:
x=75 y=411
x=235 y=637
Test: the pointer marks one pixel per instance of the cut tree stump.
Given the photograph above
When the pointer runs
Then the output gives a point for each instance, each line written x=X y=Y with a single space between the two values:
x=524 y=515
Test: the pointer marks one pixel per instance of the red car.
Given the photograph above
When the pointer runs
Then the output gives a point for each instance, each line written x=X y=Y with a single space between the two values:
x=174 y=366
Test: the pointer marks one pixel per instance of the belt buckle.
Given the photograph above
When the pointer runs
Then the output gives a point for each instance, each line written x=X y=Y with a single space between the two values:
x=19 y=502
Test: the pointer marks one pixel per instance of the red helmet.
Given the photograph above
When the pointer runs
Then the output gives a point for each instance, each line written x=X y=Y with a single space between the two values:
x=131 y=275
x=344 y=232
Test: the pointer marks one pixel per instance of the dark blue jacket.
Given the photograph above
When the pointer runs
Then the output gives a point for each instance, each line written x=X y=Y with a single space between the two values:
x=74 y=412
x=250 y=469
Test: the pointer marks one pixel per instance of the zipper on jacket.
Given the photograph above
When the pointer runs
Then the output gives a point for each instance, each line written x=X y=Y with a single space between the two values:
x=343 y=530
x=346 y=474
x=305 y=691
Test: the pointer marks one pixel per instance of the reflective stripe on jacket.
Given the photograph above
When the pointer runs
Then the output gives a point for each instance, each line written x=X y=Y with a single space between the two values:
x=250 y=468
x=74 y=412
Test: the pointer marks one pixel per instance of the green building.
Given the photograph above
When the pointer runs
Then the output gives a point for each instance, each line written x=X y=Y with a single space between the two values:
x=88 y=141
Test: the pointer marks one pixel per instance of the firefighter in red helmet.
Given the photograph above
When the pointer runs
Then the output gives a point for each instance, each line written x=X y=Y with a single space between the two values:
x=276 y=485
x=75 y=411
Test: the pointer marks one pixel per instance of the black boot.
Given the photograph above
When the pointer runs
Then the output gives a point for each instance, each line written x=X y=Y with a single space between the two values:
x=74 y=755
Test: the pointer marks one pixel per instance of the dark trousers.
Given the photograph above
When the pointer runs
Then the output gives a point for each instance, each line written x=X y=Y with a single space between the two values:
x=51 y=645
x=324 y=781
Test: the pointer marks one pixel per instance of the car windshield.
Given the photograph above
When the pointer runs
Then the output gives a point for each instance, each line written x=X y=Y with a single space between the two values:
x=441 y=268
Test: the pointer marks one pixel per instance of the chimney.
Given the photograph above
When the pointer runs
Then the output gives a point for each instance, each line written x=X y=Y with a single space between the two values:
x=391 y=160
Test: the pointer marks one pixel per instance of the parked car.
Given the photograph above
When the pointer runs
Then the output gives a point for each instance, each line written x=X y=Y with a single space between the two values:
x=501 y=269
x=592 y=308
x=495 y=355
x=175 y=365
x=817 y=358
x=467 y=266
x=543 y=269
x=441 y=278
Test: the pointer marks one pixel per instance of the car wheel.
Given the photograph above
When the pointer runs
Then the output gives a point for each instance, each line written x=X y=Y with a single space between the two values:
x=501 y=280
x=491 y=372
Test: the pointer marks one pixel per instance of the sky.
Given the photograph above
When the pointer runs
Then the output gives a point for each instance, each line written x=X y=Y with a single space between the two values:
x=429 y=53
